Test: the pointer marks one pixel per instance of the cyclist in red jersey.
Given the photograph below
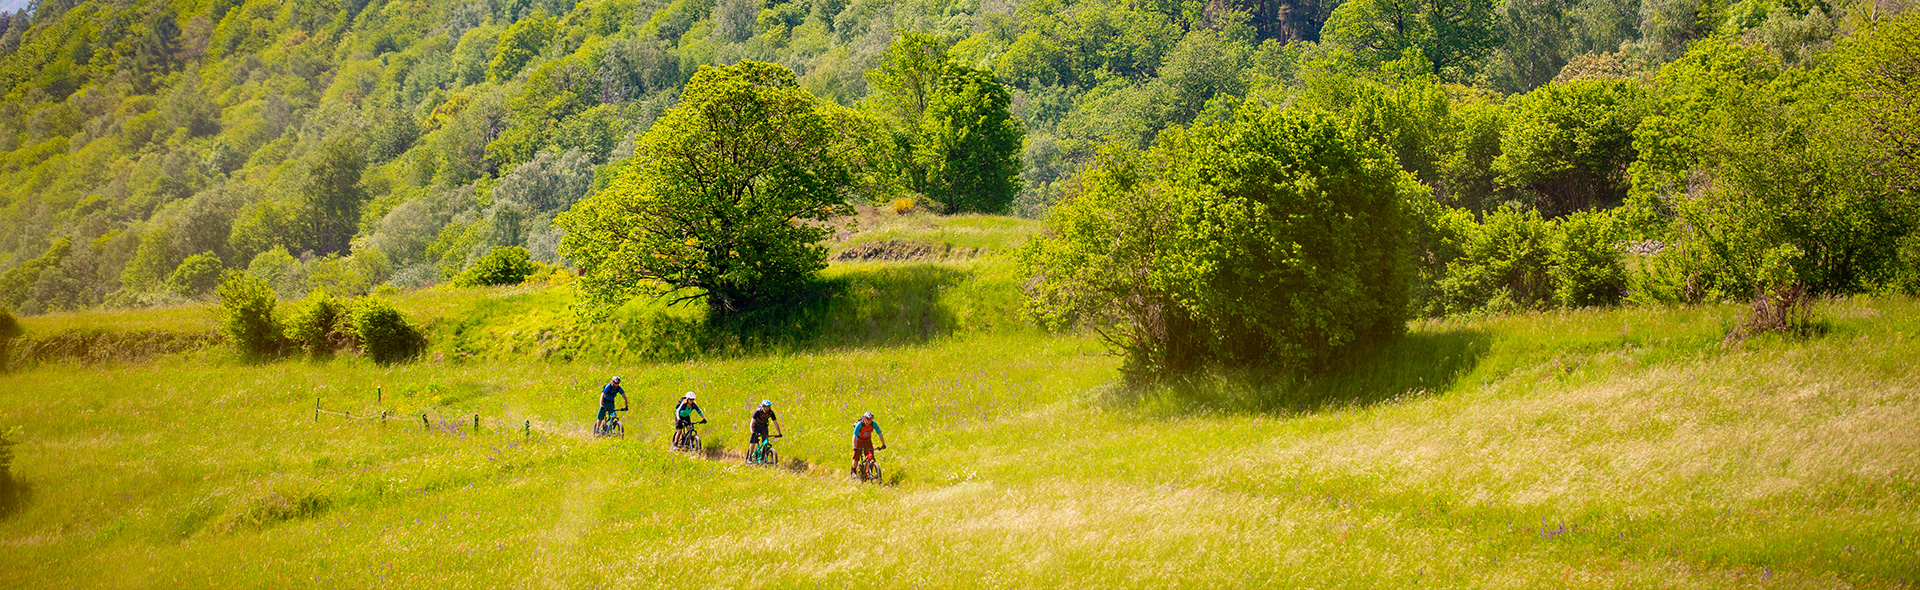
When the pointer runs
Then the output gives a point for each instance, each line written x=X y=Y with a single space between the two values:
x=864 y=432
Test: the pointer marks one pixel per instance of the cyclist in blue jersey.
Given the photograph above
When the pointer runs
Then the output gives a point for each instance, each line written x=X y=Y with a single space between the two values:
x=606 y=399
x=683 y=412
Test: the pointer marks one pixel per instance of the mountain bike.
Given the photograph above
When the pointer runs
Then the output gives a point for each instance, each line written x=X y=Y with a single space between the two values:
x=763 y=453
x=610 y=426
x=868 y=469
x=688 y=439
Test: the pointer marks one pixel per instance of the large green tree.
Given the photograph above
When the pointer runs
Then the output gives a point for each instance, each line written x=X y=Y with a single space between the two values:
x=954 y=123
x=1453 y=35
x=332 y=196
x=1279 y=239
x=724 y=199
x=969 y=144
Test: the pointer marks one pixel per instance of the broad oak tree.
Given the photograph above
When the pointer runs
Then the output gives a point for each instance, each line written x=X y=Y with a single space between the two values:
x=724 y=200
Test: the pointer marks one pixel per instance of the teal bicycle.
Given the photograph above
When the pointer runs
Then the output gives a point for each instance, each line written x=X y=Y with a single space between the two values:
x=763 y=453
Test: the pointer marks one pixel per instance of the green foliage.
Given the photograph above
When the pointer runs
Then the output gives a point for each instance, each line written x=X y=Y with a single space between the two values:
x=1881 y=70
x=1744 y=158
x=196 y=276
x=957 y=140
x=1452 y=36
x=1589 y=268
x=523 y=41
x=1568 y=144
x=331 y=194
x=9 y=330
x=969 y=144
x=1278 y=239
x=18 y=281
x=504 y=265
x=246 y=315
x=1506 y=265
x=9 y=325
x=750 y=153
x=318 y=326
x=384 y=333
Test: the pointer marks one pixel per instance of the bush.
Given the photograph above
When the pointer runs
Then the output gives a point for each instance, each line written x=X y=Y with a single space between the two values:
x=198 y=275
x=1278 y=240
x=1587 y=265
x=9 y=330
x=384 y=333
x=8 y=438
x=318 y=327
x=505 y=265
x=246 y=308
x=1506 y=265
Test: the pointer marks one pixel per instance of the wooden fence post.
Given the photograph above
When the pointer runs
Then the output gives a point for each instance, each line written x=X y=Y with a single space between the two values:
x=424 y=422
x=316 y=408
x=476 y=424
x=528 y=425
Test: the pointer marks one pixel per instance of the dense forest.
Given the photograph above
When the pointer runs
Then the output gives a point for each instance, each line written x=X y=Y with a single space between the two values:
x=1565 y=153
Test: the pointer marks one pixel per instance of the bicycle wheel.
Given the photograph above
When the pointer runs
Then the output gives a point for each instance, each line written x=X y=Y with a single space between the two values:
x=617 y=430
x=771 y=457
x=693 y=440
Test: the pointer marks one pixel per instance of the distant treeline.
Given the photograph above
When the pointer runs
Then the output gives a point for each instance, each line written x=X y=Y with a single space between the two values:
x=1570 y=153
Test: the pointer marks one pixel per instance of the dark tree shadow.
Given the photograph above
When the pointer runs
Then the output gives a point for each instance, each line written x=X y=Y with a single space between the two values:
x=1413 y=365
x=14 y=495
x=896 y=305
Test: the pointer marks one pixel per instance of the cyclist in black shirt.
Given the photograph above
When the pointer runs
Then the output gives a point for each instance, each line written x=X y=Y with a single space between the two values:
x=761 y=418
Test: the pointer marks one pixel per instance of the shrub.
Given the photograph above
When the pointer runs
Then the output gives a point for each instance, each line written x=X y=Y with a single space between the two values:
x=384 y=333
x=1586 y=259
x=505 y=265
x=318 y=325
x=1277 y=240
x=246 y=306
x=8 y=438
x=196 y=276
x=9 y=330
x=902 y=205
x=1907 y=275
x=1506 y=264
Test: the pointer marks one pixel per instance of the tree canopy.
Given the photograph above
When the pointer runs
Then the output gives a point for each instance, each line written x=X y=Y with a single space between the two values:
x=723 y=196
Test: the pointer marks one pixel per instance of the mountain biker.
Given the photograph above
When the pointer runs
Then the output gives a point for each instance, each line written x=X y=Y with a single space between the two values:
x=863 y=433
x=606 y=399
x=760 y=419
x=683 y=412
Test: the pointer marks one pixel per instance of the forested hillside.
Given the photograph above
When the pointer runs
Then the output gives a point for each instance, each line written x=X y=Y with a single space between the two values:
x=335 y=146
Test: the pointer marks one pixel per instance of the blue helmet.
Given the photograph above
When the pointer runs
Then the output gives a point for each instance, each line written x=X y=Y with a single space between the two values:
x=766 y=403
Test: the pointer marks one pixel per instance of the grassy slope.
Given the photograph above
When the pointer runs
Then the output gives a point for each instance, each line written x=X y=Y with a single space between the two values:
x=1623 y=448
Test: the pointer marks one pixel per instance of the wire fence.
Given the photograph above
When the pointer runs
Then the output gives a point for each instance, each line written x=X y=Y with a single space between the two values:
x=453 y=426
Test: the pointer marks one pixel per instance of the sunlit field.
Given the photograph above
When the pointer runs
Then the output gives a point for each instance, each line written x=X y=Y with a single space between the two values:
x=1626 y=448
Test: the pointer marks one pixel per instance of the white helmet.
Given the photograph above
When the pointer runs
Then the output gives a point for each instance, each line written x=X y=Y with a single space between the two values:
x=689 y=395
x=869 y=415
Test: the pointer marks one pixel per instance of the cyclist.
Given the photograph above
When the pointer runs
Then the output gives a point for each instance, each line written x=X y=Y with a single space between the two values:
x=761 y=417
x=864 y=432
x=683 y=412
x=606 y=399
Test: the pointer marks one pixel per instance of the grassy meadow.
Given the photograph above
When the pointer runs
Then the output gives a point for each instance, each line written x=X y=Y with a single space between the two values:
x=1624 y=448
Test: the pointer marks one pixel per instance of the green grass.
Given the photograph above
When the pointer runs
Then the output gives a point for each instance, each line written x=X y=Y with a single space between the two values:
x=994 y=233
x=1625 y=448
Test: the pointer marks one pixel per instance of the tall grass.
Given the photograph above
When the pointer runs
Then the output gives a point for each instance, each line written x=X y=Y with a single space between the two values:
x=1622 y=448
